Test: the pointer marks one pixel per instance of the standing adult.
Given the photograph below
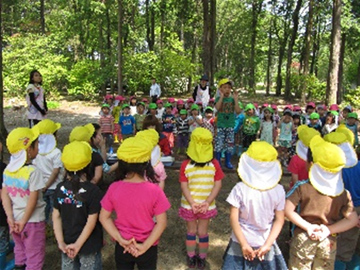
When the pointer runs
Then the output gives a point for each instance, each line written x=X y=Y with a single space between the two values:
x=155 y=90
x=202 y=91
x=35 y=99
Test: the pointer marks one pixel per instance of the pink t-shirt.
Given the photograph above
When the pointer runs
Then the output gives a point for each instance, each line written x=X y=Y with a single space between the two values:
x=135 y=205
x=298 y=166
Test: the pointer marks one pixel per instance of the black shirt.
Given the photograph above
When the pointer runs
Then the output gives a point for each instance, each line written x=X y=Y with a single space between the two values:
x=74 y=211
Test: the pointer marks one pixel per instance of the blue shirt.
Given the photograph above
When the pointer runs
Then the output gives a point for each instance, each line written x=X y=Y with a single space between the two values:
x=352 y=184
x=239 y=121
x=126 y=123
x=168 y=122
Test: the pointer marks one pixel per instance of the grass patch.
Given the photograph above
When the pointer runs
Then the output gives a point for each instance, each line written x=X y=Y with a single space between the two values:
x=53 y=104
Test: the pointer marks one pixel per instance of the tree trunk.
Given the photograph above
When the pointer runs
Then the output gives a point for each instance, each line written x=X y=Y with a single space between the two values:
x=150 y=25
x=206 y=57
x=3 y=131
x=162 y=26
x=212 y=40
x=120 y=18
x=42 y=16
x=316 y=46
x=269 y=62
x=333 y=73
x=295 y=19
x=340 y=91
x=308 y=35
x=108 y=45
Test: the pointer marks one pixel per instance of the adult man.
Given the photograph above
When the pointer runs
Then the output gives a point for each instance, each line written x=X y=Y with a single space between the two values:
x=202 y=91
x=155 y=90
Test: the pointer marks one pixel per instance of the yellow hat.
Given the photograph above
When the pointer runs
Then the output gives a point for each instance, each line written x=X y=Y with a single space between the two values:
x=48 y=126
x=224 y=81
x=335 y=138
x=305 y=134
x=258 y=166
x=200 y=147
x=347 y=132
x=325 y=174
x=76 y=156
x=82 y=133
x=17 y=142
x=149 y=134
x=135 y=150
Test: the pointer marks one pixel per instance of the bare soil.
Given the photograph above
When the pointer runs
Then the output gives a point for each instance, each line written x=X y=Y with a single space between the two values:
x=172 y=252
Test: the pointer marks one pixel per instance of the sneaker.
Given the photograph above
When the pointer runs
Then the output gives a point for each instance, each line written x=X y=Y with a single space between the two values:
x=201 y=263
x=191 y=261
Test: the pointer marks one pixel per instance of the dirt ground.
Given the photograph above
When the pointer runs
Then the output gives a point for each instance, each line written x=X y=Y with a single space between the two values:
x=172 y=253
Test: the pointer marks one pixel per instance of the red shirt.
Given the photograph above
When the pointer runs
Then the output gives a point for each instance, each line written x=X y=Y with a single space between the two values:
x=298 y=166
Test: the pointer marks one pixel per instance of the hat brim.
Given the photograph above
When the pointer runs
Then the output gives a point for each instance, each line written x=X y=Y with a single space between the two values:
x=17 y=160
x=301 y=150
x=260 y=175
x=325 y=182
x=350 y=154
x=47 y=143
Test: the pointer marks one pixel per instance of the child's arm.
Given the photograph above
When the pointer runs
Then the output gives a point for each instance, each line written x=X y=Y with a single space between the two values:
x=74 y=248
x=54 y=174
x=214 y=192
x=199 y=120
x=109 y=226
x=185 y=190
x=274 y=233
x=248 y=252
x=97 y=175
x=29 y=209
x=345 y=224
x=279 y=124
x=57 y=225
x=6 y=201
x=191 y=120
x=218 y=104
x=161 y=223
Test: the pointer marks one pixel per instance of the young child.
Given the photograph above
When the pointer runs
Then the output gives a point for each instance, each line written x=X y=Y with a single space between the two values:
x=330 y=123
x=321 y=110
x=180 y=105
x=76 y=209
x=134 y=230
x=250 y=127
x=22 y=199
x=344 y=114
x=106 y=123
x=208 y=120
x=160 y=109
x=189 y=103
x=5 y=245
x=182 y=129
x=168 y=123
x=267 y=128
x=286 y=126
x=294 y=134
x=133 y=105
x=239 y=121
x=200 y=179
x=140 y=116
x=195 y=118
x=227 y=106
x=116 y=114
x=48 y=161
x=151 y=121
x=326 y=208
x=153 y=110
x=127 y=123
x=352 y=124
x=211 y=102
x=309 y=109
x=336 y=110
x=315 y=121
x=253 y=239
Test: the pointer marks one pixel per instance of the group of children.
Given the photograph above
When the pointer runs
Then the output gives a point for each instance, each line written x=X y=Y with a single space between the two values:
x=322 y=204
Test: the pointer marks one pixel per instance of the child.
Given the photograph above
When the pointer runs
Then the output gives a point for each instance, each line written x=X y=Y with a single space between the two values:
x=200 y=107
x=352 y=124
x=153 y=110
x=253 y=240
x=116 y=114
x=180 y=105
x=5 y=245
x=182 y=129
x=227 y=107
x=330 y=123
x=315 y=121
x=267 y=128
x=76 y=209
x=151 y=121
x=261 y=111
x=321 y=110
x=133 y=105
x=309 y=109
x=22 y=199
x=49 y=162
x=336 y=110
x=160 y=109
x=140 y=116
x=189 y=103
x=134 y=230
x=211 y=102
x=200 y=179
x=294 y=134
x=195 y=118
x=286 y=126
x=250 y=127
x=326 y=209
x=127 y=123
x=106 y=123
x=239 y=121
x=208 y=120
x=168 y=123
x=344 y=114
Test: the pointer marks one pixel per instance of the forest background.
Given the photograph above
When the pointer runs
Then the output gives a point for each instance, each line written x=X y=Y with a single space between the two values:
x=294 y=48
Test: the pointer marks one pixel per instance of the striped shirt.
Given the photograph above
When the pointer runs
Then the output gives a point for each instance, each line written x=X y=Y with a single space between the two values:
x=182 y=126
x=106 y=122
x=200 y=180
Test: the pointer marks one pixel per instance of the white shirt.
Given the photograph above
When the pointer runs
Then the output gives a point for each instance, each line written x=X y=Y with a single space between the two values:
x=155 y=90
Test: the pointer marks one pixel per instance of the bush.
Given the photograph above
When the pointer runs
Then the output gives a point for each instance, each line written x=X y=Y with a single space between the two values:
x=353 y=97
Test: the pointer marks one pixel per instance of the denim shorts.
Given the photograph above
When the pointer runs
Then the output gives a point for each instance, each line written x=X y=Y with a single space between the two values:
x=84 y=262
x=4 y=239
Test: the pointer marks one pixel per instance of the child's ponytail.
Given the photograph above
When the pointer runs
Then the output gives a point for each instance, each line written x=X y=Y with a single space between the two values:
x=75 y=179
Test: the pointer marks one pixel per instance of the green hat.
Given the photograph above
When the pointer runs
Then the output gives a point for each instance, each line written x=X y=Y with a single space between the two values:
x=249 y=106
x=314 y=115
x=194 y=107
x=125 y=106
x=168 y=105
x=352 y=115
x=140 y=103
x=105 y=105
x=209 y=108
x=152 y=106
x=269 y=109
x=241 y=106
x=183 y=111
x=334 y=113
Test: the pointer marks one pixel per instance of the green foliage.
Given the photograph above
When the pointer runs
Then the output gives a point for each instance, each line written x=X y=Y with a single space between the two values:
x=53 y=104
x=314 y=87
x=353 y=97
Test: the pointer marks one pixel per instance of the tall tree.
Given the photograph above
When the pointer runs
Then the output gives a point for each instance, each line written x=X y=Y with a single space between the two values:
x=333 y=73
x=42 y=16
x=3 y=131
x=120 y=47
x=295 y=20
